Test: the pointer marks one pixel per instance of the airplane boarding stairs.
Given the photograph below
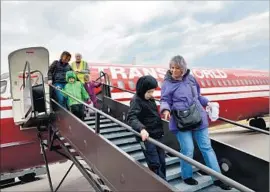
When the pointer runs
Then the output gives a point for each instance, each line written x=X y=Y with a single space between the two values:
x=127 y=142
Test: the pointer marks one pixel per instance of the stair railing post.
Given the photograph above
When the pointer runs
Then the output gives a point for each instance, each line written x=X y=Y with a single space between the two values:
x=97 y=122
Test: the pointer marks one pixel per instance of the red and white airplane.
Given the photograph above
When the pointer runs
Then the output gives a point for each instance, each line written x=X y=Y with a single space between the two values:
x=242 y=94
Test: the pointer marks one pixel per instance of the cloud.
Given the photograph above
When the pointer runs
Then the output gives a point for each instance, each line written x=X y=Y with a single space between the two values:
x=116 y=31
x=199 y=39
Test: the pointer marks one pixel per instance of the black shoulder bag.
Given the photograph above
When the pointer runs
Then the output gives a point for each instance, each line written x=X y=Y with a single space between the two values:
x=188 y=119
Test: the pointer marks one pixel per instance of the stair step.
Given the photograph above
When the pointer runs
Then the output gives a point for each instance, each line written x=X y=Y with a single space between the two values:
x=112 y=130
x=131 y=148
x=117 y=135
x=213 y=188
x=172 y=160
x=92 y=122
x=174 y=171
x=105 y=126
x=93 y=117
x=138 y=156
x=169 y=161
x=121 y=141
x=203 y=181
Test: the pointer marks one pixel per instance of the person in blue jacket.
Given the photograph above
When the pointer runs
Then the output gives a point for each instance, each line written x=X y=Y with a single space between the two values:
x=177 y=94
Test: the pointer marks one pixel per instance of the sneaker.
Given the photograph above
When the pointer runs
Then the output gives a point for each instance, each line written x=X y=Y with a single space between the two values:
x=222 y=185
x=191 y=181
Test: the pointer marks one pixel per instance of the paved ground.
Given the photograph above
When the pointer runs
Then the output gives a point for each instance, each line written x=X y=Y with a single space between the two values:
x=73 y=182
x=251 y=142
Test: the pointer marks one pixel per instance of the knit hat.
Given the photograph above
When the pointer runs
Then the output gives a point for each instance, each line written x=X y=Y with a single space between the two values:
x=144 y=84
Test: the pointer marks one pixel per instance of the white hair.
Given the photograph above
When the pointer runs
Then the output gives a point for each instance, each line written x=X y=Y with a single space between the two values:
x=78 y=54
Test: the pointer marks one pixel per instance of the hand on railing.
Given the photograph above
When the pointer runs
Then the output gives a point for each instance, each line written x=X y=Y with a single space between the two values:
x=144 y=134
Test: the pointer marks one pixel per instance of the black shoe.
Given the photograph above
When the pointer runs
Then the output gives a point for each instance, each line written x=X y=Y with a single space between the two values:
x=191 y=181
x=222 y=185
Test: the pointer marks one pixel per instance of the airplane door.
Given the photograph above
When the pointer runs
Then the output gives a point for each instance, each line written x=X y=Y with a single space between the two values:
x=38 y=59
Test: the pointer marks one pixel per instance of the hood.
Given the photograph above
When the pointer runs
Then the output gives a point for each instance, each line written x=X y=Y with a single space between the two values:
x=168 y=76
x=70 y=74
x=144 y=84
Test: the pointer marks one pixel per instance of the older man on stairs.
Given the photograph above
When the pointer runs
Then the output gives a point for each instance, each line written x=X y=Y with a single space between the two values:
x=80 y=67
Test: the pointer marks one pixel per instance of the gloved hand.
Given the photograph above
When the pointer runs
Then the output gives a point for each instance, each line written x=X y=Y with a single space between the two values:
x=213 y=110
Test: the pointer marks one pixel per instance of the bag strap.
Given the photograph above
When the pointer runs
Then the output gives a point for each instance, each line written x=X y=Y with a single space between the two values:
x=192 y=90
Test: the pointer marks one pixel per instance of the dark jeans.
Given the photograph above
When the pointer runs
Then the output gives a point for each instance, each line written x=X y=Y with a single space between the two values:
x=155 y=158
x=78 y=110
x=59 y=96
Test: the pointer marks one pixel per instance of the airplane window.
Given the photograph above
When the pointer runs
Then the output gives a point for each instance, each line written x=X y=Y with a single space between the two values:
x=229 y=82
x=219 y=83
x=214 y=82
x=121 y=84
x=202 y=82
x=131 y=85
x=257 y=81
x=3 y=86
x=208 y=82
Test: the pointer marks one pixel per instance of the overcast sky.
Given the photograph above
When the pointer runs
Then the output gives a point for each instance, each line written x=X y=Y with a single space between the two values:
x=231 y=34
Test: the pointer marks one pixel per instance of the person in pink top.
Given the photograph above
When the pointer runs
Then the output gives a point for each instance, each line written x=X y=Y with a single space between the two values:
x=89 y=86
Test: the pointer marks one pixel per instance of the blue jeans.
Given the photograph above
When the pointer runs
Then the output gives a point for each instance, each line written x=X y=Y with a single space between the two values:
x=59 y=96
x=187 y=148
x=155 y=158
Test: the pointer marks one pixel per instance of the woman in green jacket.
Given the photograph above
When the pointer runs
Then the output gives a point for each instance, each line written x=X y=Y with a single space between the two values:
x=77 y=90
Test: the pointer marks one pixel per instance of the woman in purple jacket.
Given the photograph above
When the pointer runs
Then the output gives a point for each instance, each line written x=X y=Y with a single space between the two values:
x=176 y=94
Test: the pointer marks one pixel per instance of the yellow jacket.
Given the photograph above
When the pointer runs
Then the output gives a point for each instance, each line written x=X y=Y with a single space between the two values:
x=83 y=69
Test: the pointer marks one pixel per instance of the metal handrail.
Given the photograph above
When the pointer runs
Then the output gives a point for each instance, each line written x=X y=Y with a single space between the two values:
x=27 y=64
x=166 y=148
x=102 y=74
x=220 y=118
